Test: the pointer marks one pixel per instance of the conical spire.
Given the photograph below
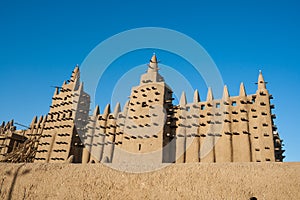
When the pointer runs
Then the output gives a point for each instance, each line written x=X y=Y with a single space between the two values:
x=34 y=120
x=182 y=99
x=261 y=82
x=196 y=96
x=117 y=109
x=7 y=125
x=44 y=119
x=126 y=106
x=153 y=67
x=11 y=123
x=106 y=110
x=96 y=111
x=210 y=96
x=225 y=93
x=242 y=90
x=3 y=124
x=152 y=74
x=40 y=119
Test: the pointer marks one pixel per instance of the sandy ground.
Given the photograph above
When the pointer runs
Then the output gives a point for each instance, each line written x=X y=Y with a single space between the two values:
x=178 y=181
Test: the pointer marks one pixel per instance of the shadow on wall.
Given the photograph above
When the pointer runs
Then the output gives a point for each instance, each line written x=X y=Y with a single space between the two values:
x=15 y=175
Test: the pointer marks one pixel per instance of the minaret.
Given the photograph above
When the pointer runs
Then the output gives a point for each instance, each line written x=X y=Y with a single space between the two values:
x=145 y=129
x=68 y=116
x=261 y=125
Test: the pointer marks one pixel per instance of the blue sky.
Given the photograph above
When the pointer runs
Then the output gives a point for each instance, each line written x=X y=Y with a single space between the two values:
x=42 y=41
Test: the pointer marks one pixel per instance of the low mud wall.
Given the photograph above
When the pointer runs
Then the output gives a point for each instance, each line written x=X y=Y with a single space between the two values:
x=177 y=181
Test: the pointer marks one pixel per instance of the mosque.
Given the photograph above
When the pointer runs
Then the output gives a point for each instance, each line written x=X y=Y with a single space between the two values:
x=149 y=129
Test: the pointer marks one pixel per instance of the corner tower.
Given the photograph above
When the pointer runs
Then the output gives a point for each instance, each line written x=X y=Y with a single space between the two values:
x=60 y=141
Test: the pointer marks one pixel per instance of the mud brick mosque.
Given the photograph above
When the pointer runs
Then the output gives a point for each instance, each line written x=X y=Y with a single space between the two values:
x=149 y=128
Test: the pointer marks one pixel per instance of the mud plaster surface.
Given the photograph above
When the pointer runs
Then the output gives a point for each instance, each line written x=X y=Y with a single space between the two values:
x=178 y=181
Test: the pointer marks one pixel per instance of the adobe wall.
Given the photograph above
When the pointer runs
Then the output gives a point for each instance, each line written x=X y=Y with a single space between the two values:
x=177 y=181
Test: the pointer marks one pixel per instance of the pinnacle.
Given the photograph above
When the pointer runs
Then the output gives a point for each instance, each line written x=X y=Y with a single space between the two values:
x=96 y=111
x=261 y=82
x=106 y=110
x=182 y=99
x=242 y=90
x=153 y=59
x=209 y=95
x=196 y=96
x=153 y=67
x=225 y=92
x=117 y=109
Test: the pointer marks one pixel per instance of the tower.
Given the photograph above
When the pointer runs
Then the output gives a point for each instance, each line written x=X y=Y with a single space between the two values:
x=60 y=141
x=261 y=124
x=146 y=134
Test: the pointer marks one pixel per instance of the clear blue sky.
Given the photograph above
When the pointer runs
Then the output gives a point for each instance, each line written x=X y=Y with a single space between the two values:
x=42 y=41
